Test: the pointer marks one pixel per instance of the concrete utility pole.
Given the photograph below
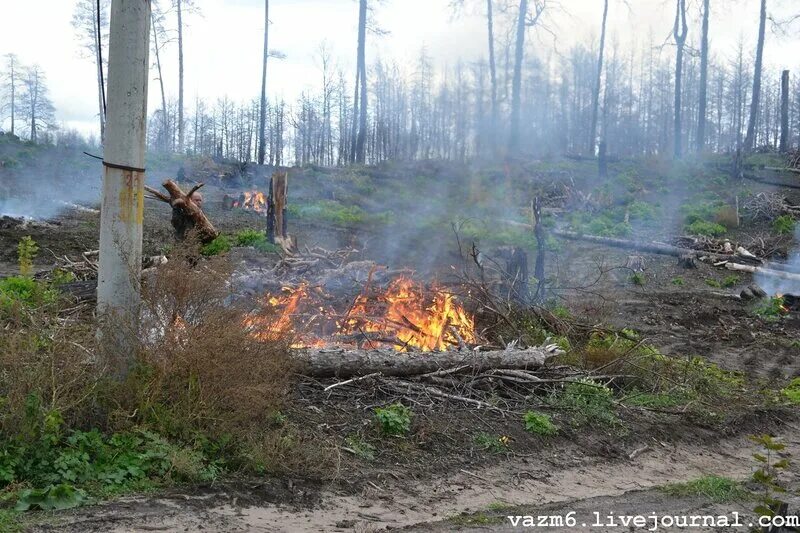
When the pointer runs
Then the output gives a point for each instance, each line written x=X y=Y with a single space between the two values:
x=118 y=297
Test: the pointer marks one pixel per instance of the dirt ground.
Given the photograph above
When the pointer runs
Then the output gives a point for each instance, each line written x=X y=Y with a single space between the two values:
x=441 y=483
x=553 y=482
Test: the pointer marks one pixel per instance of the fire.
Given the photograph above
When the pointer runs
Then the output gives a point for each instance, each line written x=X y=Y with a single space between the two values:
x=409 y=321
x=405 y=316
x=252 y=201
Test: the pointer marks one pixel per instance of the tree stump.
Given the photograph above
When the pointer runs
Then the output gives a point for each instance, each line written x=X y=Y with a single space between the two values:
x=687 y=261
x=635 y=263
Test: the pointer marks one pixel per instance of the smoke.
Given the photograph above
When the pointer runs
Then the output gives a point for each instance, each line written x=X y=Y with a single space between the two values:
x=42 y=181
x=773 y=285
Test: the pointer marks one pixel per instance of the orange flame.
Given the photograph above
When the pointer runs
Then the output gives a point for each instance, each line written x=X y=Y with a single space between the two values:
x=252 y=201
x=402 y=316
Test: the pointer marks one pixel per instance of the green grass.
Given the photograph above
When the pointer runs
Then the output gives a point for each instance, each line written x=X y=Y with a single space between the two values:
x=256 y=239
x=333 y=212
x=731 y=281
x=715 y=488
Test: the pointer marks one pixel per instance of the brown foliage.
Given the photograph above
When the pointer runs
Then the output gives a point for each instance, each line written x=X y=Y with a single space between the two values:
x=50 y=360
x=198 y=369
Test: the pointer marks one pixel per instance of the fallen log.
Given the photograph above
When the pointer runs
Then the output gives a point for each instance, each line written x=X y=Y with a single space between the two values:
x=646 y=247
x=344 y=364
x=187 y=214
x=763 y=271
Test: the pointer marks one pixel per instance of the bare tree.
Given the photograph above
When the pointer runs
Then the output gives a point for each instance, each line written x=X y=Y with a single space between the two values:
x=90 y=20
x=679 y=32
x=596 y=95
x=749 y=139
x=160 y=38
x=492 y=74
x=10 y=85
x=262 y=123
x=36 y=104
x=182 y=7
x=525 y=19
x=701 y=113
x=359 y=148
x=783 y=147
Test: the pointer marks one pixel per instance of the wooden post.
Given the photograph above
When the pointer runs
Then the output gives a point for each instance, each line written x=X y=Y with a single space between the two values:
x=783 y=147
x=122 y=212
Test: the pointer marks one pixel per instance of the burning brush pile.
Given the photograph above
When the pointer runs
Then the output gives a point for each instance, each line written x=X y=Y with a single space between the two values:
x=396 y=312
x=255 y=201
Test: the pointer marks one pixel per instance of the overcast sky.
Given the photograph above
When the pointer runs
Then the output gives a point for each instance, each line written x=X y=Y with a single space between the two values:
x=224 y=41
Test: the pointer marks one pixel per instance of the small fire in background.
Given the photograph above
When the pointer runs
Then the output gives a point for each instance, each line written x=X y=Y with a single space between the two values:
x=405 y=316
x=252 y=201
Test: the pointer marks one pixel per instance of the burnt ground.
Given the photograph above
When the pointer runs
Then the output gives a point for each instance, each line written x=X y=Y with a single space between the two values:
x=440 y=473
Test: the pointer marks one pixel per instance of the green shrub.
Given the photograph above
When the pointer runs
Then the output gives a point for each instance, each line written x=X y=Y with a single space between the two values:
x=492 y=443
x=266 y=247
x=539 y=424
x=678 y=281
x=784 y=225
x=704 y=227
x=218 y=246
x=637 y=278
x=360 y=447
x=792 y=391
x=26 y=253
x=590 y=402
x=713 y=283
x=250 y=237
x=770 y=309
x=394 y=420
x=25 y=291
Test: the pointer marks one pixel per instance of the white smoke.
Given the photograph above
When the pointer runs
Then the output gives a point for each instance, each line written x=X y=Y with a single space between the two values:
x=773 y=285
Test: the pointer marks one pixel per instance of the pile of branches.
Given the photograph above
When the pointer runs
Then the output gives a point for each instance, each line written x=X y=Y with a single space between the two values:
x=315 y=257
x=794 y=159
x=767 y=206
x=501 y=381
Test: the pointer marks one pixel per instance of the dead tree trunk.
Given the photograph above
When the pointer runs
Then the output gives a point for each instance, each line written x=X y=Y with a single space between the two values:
x=783 y=147
x=277 y=231
x=538 y=231
x=749 y=140
x=602 y=161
